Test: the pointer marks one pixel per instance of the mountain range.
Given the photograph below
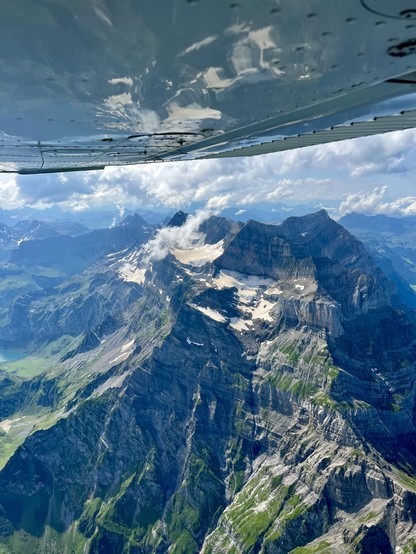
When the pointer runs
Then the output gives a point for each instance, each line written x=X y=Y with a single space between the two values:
x=232 y=388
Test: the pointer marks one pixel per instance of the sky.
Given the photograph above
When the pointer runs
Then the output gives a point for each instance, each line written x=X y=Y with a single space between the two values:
x=370 y=175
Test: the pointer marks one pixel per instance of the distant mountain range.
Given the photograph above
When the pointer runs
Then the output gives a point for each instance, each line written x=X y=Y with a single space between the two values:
x=95 y=219
x=91 y=219
x=392 y=243
x=238 y=388
x=26 y=230
x=50 y=253
x=73 y=254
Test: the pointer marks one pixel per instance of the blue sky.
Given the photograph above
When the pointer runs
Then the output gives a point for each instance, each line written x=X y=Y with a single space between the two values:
x=371 y=175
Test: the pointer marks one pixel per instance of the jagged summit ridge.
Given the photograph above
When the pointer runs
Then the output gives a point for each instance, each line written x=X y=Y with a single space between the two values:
x=313 y=247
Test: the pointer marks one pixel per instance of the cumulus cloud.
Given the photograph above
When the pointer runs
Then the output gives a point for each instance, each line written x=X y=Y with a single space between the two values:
x=219 y=202
x=376 y=202
x=183 y=237
x=310 y=188
x=10 y=195
x=381 y=154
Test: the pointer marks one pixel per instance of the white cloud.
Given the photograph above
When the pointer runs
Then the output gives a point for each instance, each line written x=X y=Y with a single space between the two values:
x=10 y=196
x=289 y=188
x=219 y=202
x=183 y=237
x=363 y=202
x=375 y=202
x=380 y=154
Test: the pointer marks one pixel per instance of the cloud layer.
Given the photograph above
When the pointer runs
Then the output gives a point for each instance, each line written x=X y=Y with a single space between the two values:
x=341 y=171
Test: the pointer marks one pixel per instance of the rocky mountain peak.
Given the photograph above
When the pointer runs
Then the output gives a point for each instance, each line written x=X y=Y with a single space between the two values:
x=132 y=221
x=293 y=226
x=177 y=220
x=314 y=247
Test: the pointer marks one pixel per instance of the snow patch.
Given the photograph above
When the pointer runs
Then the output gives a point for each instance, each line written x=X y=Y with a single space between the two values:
x=127 y=345
x=213 y=314
x=199 y=255
x=273 y=290
x=128 y=272
x=240 y=324
x=261 y=311
x=189 y=341
x=228 y=279
x=125 y=352
x=248 y=287
x=104 y=443
x=114 y=382
x=115 y=254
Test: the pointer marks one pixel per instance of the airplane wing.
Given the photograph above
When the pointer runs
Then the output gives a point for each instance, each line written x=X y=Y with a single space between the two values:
x=86 y=84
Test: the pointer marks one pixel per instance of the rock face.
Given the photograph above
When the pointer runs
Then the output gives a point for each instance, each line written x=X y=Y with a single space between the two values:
x=252 y=394
x=391 y=242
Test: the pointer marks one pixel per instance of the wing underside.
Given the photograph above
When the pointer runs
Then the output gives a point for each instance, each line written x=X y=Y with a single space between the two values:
x=107 y=83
